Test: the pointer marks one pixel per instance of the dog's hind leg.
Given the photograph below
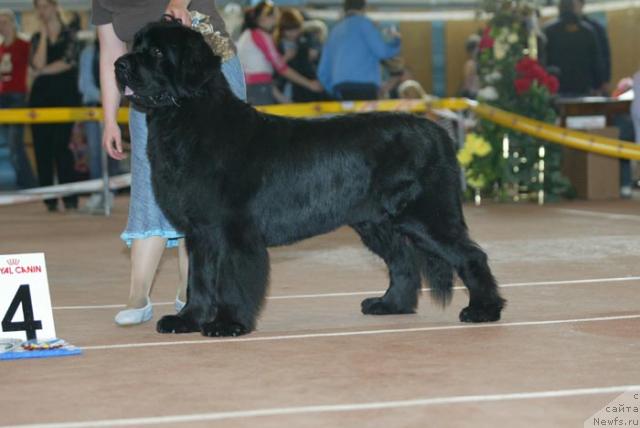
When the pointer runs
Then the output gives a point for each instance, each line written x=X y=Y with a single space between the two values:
x=447 y=236
x=242 y=279
x=398 y=253
x=200 y=307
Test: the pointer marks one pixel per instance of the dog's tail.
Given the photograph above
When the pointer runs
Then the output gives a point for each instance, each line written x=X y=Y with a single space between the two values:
x=438 y=208
x=436 y=273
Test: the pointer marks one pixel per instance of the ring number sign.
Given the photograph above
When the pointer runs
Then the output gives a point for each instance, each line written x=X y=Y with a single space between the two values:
x=25 y=303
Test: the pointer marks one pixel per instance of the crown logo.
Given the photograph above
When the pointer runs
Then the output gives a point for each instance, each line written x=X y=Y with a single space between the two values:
x=13 y=262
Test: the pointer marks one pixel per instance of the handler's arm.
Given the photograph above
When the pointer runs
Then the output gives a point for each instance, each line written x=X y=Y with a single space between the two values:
x=111 y=48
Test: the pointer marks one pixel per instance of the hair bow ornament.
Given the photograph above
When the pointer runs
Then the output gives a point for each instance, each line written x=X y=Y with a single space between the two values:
x=219 y=43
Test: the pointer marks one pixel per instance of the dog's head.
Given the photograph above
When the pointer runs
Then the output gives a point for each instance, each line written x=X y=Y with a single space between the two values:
x=168 y=63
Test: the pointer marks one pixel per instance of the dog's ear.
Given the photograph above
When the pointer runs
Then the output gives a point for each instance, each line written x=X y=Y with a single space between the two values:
x=200 y=64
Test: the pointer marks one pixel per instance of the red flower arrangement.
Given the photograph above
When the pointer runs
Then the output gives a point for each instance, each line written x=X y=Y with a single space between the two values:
x=486 y=41
x=529 y=71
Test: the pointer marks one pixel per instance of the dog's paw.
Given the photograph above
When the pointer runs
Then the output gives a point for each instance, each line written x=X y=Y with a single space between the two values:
x=220 y=328
x=378 y=306
x=175 y=324
x=480 y=314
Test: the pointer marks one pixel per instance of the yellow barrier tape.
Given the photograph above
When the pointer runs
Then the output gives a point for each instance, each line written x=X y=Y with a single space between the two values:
x=556 y=134
x=338 y=107
x=57 y=115
x=577 y=140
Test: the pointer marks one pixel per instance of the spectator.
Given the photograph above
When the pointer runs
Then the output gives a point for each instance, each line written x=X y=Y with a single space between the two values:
x=259 y=56
x=54 y=52
x=412 y=90
x=572 y=48
x=89 y=86
x=471 y=80
x=14 y=60
x=396 y=73
x=350 y=63
x=603 y=46
x=300 y=44
x=629 y=127
x=287 y=35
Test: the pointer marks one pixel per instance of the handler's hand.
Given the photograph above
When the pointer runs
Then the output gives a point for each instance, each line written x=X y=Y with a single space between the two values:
x=178 y=9
x=112 y=141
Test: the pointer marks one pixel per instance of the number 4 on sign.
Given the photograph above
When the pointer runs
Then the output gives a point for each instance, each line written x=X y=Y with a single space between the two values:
x=28 y=325
x=25 y=304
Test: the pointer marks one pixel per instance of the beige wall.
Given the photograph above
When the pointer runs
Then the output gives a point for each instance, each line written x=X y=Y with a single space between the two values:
x=416 y=45
x=624 y=37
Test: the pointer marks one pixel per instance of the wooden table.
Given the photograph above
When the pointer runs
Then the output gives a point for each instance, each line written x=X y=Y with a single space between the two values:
x=593 y=176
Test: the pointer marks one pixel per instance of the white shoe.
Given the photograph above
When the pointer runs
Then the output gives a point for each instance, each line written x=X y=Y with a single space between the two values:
x=95 y=204
x=625 y=192
x=135 y=316
x=179 y=304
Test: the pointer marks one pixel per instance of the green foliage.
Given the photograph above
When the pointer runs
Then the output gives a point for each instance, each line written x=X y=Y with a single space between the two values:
x=512 y=81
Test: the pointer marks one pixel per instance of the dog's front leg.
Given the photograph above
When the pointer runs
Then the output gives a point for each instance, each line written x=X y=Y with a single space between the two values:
x=200 y=307
x=242 y=278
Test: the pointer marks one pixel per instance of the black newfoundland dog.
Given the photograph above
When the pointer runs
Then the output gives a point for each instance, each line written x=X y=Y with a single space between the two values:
x=236 y=181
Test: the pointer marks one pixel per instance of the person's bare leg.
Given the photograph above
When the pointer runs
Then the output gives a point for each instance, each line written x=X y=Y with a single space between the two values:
x=145 y=258
x=183 y=271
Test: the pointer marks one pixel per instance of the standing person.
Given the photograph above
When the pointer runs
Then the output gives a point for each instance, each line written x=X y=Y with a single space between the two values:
x=260 y=58
x=350 y=63
x=148 y=231
x=603 y=46
x=572 y=47
x=633 y=134
x=54 y=58
x=14 y=62
x=470 y=78
x=287 y=38
x=300 y=43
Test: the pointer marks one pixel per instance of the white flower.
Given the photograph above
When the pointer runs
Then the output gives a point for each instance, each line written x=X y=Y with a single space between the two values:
x=488 y=93
x=493 y=77
x=499 y=50
x=512 y=38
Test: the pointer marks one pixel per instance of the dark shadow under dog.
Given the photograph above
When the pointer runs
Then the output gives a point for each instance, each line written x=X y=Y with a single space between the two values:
x=236 y=181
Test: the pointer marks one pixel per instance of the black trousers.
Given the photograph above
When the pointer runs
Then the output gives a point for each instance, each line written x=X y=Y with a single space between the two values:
x=51 y=144
x=356 y=91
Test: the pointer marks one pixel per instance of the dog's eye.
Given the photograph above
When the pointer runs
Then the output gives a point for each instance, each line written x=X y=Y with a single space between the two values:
x=156 y=52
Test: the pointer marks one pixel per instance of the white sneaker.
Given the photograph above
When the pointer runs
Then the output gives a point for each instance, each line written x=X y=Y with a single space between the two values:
x=625 y=192
x=135 y=316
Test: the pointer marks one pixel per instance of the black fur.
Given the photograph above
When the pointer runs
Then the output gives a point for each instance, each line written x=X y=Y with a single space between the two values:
x=237 y=181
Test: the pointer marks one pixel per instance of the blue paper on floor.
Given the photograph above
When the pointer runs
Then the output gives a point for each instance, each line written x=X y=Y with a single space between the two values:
x=15 y=349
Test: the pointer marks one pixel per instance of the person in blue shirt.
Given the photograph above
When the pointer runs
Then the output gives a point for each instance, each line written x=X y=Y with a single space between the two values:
x=349 y=67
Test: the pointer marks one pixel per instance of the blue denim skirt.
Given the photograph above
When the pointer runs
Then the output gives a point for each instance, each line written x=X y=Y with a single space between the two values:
x=145 y=218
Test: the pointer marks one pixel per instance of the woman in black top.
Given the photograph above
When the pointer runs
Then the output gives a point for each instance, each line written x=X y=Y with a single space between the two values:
x=54 y=53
